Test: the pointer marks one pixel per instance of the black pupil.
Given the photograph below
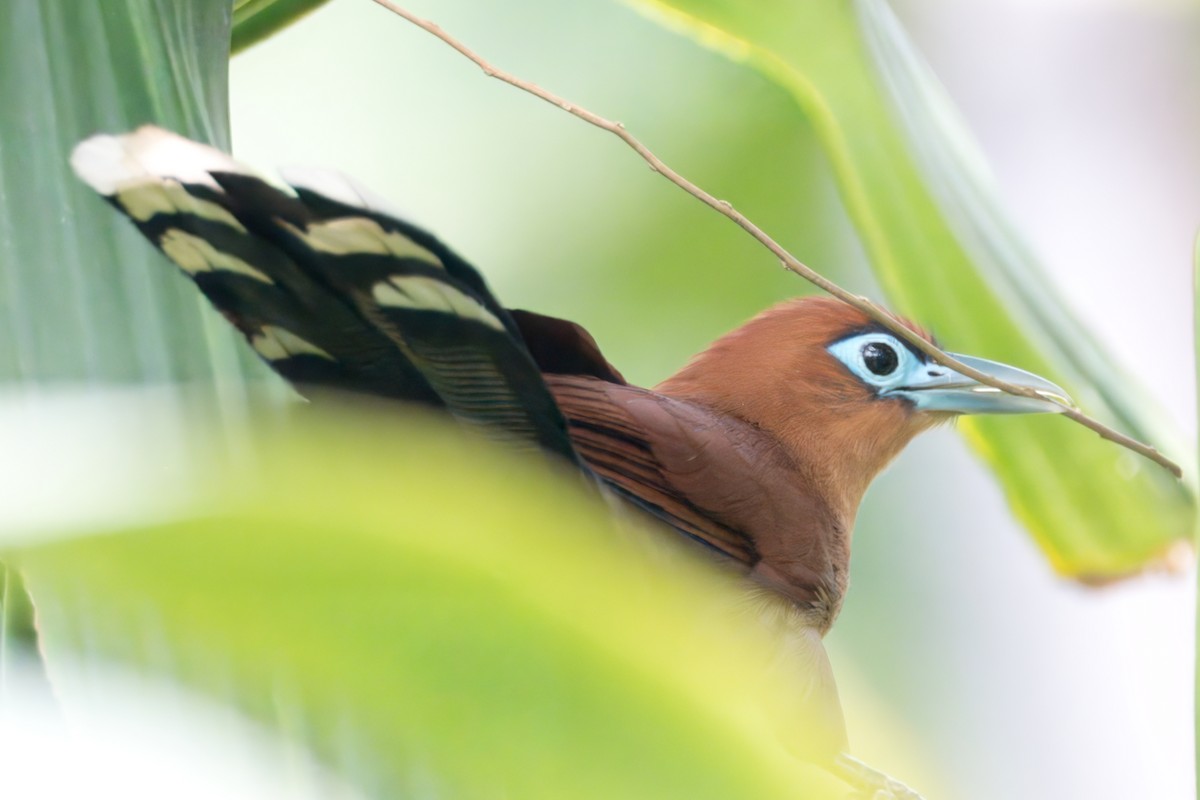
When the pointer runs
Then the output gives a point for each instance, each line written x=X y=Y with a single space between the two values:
x=880 y=358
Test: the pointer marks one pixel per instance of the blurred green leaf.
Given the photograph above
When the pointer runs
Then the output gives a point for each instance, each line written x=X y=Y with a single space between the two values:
x=255 y=20
x=442 y=617
x=83 y=298
x=16 y=614
x=1097 y=511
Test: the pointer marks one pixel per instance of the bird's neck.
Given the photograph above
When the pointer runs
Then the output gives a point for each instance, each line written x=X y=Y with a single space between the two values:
x=809 y=489
x=832 y=434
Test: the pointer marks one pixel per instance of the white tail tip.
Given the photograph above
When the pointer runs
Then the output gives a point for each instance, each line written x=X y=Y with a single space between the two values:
x=110 y=163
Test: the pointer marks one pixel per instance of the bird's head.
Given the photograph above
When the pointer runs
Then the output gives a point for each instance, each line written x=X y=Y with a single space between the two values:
x=841 y=393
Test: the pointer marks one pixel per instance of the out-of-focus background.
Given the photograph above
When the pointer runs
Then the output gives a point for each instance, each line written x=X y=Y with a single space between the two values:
x=999 y=680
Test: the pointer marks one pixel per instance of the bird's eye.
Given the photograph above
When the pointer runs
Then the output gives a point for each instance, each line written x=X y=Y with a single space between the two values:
x=880 y=358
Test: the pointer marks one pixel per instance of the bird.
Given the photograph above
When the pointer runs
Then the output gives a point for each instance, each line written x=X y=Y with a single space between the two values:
x=757 y=452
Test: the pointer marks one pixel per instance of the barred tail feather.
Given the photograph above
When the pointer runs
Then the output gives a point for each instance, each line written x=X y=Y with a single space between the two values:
x=327 y=285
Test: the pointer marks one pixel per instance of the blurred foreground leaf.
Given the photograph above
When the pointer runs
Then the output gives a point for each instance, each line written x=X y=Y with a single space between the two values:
x=1097 y=511
x=16 y=614
x=434 y=617
x=82 y=299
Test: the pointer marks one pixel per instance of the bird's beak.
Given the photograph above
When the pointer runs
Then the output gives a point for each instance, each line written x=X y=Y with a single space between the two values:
x=942 y=389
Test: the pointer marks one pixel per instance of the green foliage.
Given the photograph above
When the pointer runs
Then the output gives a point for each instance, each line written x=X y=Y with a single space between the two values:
x=255 y=20
x=16 y=612
x=1096 y=510
x=440 y=615
x=84 y=299
x=80 y=298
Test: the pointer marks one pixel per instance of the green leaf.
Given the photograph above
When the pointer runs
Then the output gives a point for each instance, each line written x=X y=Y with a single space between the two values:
x=947 y=258
x=16 y=618
x=438 y=614
x=255 y=20
x=82 y=298
x=16 y=613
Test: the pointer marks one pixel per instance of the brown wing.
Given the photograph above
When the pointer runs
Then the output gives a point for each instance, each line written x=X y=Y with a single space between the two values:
x=712 y=477
x=613 y=441
x=618 y=447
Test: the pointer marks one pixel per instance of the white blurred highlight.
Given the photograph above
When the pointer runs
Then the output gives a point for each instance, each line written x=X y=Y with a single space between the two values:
x=86 y=460
x=127 y=736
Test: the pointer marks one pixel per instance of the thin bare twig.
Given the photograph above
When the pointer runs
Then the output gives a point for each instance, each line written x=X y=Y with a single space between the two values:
x=789 y=261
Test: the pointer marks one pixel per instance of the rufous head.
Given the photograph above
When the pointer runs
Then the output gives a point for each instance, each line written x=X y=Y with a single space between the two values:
x=842 y=395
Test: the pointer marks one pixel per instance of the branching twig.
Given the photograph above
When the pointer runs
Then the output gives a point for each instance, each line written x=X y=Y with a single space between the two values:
x=789 y=261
